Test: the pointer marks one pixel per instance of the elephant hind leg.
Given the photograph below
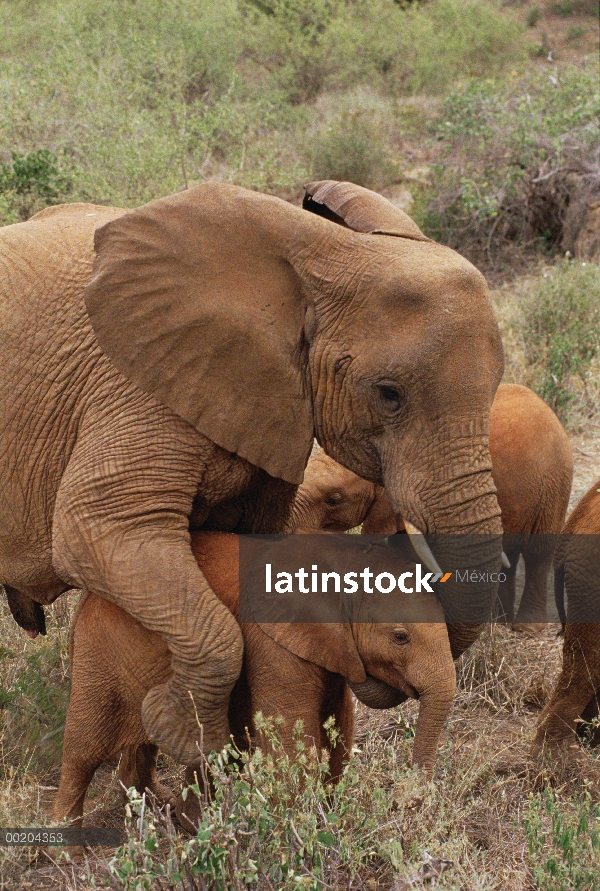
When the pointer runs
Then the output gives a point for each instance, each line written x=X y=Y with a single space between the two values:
x=137 y=767
x=507 y=590
x=75 y=777
x=576 y=686
x=532 y=613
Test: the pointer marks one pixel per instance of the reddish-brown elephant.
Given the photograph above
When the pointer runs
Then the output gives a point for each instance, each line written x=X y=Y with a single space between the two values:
x=168 y=367
x=576 y=697
x=301 y=676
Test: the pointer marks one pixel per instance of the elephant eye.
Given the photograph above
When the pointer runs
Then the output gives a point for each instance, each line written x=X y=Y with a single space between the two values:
x=392 y=398
x=401 y=637
x=334 y=499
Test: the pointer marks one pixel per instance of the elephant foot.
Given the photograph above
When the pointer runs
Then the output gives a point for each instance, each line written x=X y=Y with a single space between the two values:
x=177 y=730
x=72 y=853
x=189 y=811
x=137 y=767
x=529 y=627
x=563 y=761
x=159 y=791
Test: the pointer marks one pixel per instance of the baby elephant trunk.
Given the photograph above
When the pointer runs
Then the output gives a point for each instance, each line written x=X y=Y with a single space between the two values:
x=435 y=705
x=377 y=694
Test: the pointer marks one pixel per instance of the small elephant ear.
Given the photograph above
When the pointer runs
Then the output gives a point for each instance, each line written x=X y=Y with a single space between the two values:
x=359 y=209
x=194 y=300
x=330 y=645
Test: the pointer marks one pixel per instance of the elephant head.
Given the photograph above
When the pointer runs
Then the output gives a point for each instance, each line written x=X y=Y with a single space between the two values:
x=410 y=659
x=331 y=498
x=263 y=324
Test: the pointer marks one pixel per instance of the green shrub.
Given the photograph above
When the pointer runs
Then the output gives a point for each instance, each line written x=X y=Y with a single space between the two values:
x=33 y=701
x=145 y=97
x=560 y=327
x=514 y=155
x=564 y=844
x=274 y=823
x=310 y=46
x=446 y=42
x=354 y=147
x=30 y=182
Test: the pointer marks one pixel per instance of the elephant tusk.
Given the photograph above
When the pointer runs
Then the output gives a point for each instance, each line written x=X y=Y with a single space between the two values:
x=421 y=547
x=505 y=560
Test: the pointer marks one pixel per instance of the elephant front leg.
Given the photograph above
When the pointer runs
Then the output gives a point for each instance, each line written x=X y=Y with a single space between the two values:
x=341 y=750
x=159 y=584
x=121 y=529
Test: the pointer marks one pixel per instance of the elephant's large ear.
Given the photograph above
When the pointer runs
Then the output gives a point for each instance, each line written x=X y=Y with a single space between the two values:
x=330 y=645
x=359 y=209
x=193 y=300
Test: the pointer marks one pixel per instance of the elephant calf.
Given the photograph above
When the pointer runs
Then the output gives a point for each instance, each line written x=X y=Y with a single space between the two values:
x=115 y=661
x=577 y=692
x=532 y=467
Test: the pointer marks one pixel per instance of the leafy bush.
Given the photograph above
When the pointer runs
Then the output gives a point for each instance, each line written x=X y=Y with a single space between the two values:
x=145 y=97
x=564 y=846
x=274 y=823
x=30 y=182
x=310 y=45
x=575 y=7
x=560 y=326
x=516 y=155
x=440 y=44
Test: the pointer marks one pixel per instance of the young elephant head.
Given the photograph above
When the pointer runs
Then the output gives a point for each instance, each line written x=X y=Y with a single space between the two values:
x=411 y=658
x=330 y=498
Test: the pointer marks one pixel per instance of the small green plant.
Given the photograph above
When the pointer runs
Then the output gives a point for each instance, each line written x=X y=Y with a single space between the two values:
x=272 y=821
x=575 y=32
x=533 y=16
x=29 y=181
x=560 y=323
x=33 y=700
x=564 y=844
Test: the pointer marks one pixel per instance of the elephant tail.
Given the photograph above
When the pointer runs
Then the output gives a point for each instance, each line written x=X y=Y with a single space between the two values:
x=559 y=593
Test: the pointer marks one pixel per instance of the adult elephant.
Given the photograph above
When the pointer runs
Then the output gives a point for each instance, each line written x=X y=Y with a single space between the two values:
x=167 y=367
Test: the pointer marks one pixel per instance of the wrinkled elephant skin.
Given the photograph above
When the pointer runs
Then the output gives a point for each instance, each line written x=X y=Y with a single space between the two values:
x=167 y=367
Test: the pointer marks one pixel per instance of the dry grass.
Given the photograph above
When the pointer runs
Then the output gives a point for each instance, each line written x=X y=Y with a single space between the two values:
x=472 y=815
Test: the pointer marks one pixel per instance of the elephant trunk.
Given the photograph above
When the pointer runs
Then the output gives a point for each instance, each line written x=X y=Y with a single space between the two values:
x=459 y=513
x=377 y=694
x=302 y=515
x=435 y=705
